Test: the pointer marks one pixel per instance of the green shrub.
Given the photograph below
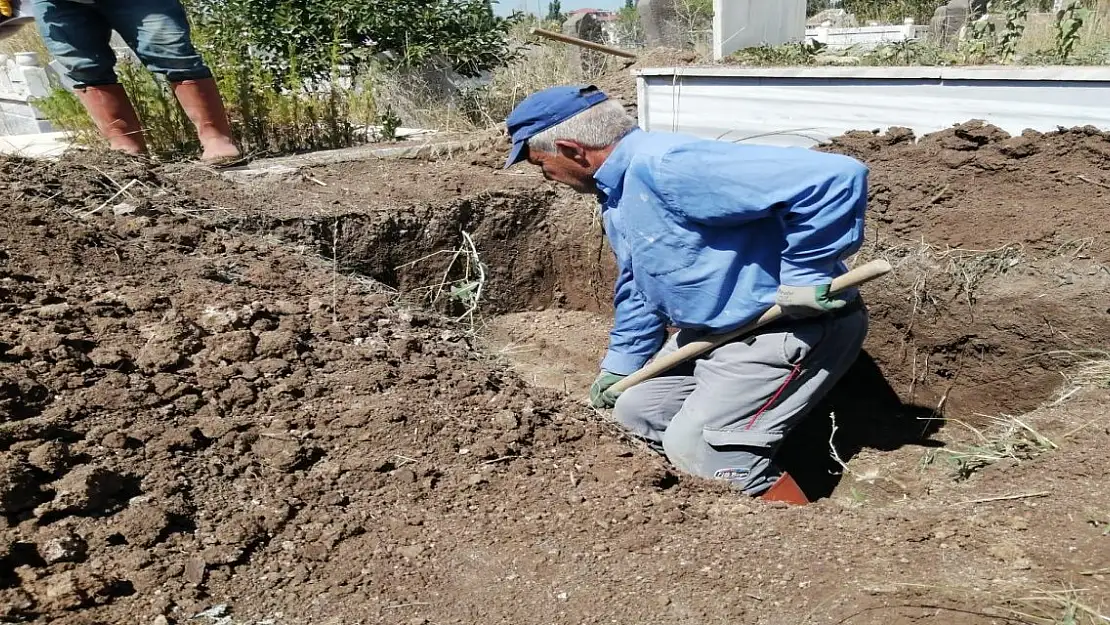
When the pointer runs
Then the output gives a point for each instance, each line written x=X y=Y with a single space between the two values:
x=893 y=11
x=318 y=35
x=269 y=116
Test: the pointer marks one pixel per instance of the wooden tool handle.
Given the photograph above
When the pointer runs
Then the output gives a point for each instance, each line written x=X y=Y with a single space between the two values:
x=583 y=43
x=864 y=273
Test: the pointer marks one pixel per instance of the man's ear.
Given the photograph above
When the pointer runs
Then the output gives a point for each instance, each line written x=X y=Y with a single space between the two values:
x=573 y=151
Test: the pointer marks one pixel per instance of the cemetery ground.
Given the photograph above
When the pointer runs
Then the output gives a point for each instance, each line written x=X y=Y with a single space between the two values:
x=354 y=393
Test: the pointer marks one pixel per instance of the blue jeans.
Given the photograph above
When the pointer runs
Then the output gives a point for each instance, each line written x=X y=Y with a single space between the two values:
x=77 y=33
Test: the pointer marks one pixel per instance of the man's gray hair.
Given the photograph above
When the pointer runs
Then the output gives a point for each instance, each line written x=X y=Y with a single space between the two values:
x=599 y=126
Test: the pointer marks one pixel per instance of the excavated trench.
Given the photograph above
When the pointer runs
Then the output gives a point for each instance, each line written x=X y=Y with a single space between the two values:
x=934 y=344
x=1000 y=261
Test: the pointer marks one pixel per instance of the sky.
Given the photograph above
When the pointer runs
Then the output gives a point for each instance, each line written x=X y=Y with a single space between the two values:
x=505 y=7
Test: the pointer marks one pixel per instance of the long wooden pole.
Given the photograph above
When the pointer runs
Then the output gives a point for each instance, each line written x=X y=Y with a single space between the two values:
x=583 y=43
x=864 y=273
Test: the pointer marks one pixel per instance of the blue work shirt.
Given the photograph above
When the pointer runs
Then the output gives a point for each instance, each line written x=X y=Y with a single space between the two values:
x=705 y=231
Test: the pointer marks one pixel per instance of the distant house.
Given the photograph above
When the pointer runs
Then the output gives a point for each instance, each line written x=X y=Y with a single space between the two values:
x=608 y=21
x=602 y=16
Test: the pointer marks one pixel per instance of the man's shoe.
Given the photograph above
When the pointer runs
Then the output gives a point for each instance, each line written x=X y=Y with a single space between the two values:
x=785 y=489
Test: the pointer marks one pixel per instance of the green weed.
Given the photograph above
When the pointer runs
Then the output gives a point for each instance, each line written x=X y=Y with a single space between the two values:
x=785 y=54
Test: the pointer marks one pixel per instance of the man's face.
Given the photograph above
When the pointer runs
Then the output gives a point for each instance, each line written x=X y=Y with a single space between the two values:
x=568 y=165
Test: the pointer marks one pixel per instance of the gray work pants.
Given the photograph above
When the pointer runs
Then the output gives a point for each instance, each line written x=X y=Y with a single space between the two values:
x=723 y=415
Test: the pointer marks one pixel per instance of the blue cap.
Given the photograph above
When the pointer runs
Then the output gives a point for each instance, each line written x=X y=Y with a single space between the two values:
x=544 y=109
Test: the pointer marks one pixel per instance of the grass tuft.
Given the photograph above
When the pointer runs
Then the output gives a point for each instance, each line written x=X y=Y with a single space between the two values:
x=1058 y=607
x=463 y=283
x=1005 y=437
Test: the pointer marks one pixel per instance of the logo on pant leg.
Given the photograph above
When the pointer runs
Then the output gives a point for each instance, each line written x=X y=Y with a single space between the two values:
x=732 y=475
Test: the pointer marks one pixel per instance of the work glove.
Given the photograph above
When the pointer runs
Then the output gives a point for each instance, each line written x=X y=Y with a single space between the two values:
x=806 y=301
x=6 y=9
x=599 y=395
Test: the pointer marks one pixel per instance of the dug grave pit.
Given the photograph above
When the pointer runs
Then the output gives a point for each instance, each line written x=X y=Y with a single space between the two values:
x=960 y=332
x=998 y=245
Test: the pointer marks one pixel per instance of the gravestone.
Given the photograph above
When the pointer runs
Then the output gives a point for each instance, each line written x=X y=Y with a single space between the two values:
x=739 y=24
x=659 y=19
x=22 y=80
x=948 y=20
x=585 y=26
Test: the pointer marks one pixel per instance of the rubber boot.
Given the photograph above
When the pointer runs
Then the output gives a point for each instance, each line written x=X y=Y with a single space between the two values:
x=785 y=489
x=115 y=117
x=202 y=103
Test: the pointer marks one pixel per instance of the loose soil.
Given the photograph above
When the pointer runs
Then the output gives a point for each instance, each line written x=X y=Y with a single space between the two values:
x=248 y=402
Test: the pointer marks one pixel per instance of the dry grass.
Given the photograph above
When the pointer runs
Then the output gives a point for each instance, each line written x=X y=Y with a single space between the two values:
x=968 y=269
x=1004 y=437
x=1093 y=372
x=541 y=63
x=1016 y=603
x=1058 y=607
x=1081 y=369
x=26 y=40
x=465 y=289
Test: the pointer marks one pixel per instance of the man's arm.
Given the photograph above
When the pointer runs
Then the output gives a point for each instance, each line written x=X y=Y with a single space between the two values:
x=819 y=197
x=638 y=331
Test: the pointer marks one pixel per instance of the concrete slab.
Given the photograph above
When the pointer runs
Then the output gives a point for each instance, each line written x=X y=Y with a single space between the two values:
x=431 y=148
x=40 y=145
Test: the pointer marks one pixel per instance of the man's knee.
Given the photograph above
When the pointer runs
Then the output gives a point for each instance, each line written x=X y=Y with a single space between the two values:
x=631 y=411
x=81 y=46
x=87 y=72
x=686 y=449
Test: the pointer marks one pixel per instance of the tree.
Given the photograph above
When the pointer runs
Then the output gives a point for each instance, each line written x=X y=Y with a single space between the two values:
x=555 y=12
x=813 y=7
x=630 y=31
x=694 y=16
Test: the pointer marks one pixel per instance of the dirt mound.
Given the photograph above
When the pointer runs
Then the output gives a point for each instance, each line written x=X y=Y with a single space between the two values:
x=179 y=401
x=1000 y=245
x=976 y=187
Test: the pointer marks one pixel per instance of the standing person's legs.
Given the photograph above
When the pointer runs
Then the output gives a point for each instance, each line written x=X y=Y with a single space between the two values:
x=743 y=398
x=158 y=31
x=77 y=35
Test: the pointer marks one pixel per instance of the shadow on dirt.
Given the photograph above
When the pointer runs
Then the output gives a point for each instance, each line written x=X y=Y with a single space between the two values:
x=869 y=414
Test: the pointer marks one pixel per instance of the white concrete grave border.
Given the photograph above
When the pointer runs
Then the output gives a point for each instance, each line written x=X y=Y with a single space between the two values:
x=805 y=106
